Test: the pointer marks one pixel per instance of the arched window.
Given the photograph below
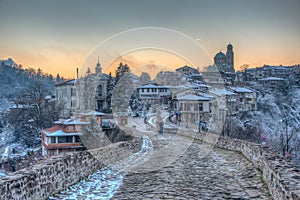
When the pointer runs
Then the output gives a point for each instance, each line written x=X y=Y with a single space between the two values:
x=99 y=90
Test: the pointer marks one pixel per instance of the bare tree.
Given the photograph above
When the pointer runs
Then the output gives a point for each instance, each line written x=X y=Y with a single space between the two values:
x=32 y=114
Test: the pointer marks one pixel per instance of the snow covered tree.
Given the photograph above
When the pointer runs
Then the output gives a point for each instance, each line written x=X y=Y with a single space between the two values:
x=32 y=114
x=144 y=78
x=124 y=88
x=121 y=71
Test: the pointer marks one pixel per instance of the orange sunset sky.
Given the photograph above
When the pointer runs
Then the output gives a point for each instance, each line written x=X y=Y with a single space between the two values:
x=59 y=36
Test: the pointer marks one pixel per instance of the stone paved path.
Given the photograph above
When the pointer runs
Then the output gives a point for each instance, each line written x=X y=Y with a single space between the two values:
x=196 y=174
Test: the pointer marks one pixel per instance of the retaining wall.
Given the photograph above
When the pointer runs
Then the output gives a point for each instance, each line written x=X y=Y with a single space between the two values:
x=59 y=172
x=281 y=176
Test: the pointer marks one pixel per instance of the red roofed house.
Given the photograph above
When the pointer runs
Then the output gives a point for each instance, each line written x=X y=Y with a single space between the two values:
x=65 y=135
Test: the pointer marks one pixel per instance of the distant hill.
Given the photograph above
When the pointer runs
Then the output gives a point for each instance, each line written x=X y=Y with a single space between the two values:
x=14 y=79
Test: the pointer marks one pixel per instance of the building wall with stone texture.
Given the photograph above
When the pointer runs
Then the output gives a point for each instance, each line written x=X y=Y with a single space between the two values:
x=59 y=172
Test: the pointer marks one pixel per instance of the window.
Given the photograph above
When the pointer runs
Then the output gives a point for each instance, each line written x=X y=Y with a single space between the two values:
x=73 y=92
x=181 y=106
x=53 y=139
x=200 y=106
x=143 y=90
x=73 y=103
x=61 y=139
x=70 y=128
x=195 y=107
x=77 y=139
x=69 y=139
x=187 y=107
x=148 y=90
x=99 y=90
x=65 y=139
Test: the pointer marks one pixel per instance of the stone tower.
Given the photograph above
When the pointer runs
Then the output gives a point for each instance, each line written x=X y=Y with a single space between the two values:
x=230 y=56
x=98 y=68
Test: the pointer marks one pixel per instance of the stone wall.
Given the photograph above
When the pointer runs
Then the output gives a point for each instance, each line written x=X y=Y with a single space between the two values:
x=282 y=177
x=57 y=173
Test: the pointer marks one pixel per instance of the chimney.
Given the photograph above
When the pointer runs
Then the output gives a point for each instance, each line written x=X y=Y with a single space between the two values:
x=77 y=73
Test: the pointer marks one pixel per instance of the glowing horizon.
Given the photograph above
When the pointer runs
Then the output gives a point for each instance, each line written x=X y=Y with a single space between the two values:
x=58 y=36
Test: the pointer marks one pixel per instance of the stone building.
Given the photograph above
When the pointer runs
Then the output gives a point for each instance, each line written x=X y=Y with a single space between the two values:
x=246 y=98
x=92 y=92
x=273 y=82
x=187 y=70
x=224 y=103
x=228 y=59
x=194 y=109
x=225 y=64
x=296 y=73
x=104 y=84
x=254 y=74
x=153 y=93
x=65 y=97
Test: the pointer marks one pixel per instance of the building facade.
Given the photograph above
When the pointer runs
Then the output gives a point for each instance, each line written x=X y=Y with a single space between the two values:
x=193 y=109
x=65 y=135
x=246 y=98
x=65 y=97
x=225 y=64
x=254 y=74
x=92 y=92
x=273 y=82
x=187 y=70
x=224 y=103
x=154 y=93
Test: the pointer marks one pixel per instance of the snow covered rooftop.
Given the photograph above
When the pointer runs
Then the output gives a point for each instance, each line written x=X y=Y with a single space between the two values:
x=150 y=85
x=221 y=92
x=272 y=79
x=68 y=82
x=61 y=133
x=241 y=89
x=195 y=75
x=71 y=122
x=185 y=67
x=93 y=113
x=202 y=85
x=193 y=97
x=47 y=97
x=106 y=77
x=22 y=106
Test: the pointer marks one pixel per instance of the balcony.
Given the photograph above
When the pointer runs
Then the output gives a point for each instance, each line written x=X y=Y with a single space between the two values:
x=62 y=145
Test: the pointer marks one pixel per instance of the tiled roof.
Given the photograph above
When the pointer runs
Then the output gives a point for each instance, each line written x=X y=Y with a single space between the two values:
x=193 y=97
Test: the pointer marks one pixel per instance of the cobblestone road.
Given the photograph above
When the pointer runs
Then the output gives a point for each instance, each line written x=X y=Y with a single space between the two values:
x=196 y=174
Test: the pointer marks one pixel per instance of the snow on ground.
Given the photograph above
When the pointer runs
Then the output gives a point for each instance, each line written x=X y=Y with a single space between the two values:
x=106 y=181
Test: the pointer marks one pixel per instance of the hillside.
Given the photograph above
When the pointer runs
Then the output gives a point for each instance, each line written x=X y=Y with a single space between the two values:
x=14 y=79
x=277 y=118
